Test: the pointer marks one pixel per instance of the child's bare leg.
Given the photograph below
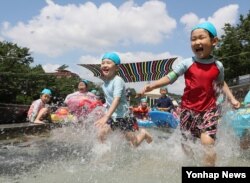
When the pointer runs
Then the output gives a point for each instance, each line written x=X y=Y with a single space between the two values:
x=144 y=134
x=136 y=140
x=210 y=154
x=187 y=150
x=43 y=112
x=102 y=133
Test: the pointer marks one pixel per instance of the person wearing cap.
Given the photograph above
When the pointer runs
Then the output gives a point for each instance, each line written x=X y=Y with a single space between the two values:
x=72 y=100
x=82 y=91
x=141 y=112
x=39 y=109
x=117 y=115
x=164 y=103
x=204 y=77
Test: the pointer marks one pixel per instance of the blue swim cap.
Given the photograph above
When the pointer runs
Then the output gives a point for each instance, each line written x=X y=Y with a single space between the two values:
x=93 y=91
x=112 y=56
x=46 y=91
x=85 y=81
x=207 y=26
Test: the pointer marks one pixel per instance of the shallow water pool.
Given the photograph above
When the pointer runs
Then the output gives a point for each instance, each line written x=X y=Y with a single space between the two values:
x=71 y=154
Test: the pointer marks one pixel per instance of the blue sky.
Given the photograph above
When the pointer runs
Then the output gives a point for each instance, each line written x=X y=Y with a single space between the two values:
x=75 y=31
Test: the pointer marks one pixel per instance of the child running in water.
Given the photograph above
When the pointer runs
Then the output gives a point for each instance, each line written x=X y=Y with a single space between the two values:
x=39 y=110
x=202 y=73
x=117 y=114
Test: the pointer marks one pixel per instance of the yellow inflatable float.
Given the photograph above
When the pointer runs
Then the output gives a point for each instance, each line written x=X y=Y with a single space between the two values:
x=62 y=115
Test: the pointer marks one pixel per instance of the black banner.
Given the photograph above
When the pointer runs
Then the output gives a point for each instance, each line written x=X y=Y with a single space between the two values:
x=216 y=174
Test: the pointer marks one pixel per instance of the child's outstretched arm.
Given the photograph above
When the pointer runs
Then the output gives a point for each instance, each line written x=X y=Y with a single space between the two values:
x=157 y=84
x=101 y=122
x=235 y=103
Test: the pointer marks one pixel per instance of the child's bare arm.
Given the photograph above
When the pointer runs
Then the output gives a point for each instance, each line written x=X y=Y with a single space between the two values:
x=113 y=106
x=101 y=122
x=235 y=103
x=157 y=84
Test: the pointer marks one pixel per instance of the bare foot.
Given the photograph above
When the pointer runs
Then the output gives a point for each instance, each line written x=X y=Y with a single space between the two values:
x=148 y=137
x=39 y=122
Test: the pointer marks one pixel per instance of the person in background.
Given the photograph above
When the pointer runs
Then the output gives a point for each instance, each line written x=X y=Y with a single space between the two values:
x=141 y=112
x=100 y=97
x=39 y=110
x=81 y=102
x=164 y=103
x=117 y=115
x=82 y=91
x=128 y=95
x=204 y=78
x=176 y=109
x=93 y=91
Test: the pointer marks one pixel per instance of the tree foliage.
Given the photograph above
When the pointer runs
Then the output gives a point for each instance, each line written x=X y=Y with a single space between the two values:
x=21 y=83
x=13 y=58
x=234 y=48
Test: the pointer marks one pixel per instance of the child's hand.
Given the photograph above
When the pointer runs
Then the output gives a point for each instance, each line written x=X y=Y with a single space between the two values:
x=147 y=88
x=101 y=122
x=235 y=103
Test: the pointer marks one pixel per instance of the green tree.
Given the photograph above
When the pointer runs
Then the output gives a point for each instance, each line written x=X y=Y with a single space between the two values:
x=234 y=48
x=21 y=83
x=14 y=61
x=13 y=58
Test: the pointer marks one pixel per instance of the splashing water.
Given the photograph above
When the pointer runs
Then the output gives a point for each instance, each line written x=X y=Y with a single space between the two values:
x=73 y=154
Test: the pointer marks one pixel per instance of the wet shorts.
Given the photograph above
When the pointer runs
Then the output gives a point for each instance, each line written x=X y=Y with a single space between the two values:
x=199 y=122
x=124 y=124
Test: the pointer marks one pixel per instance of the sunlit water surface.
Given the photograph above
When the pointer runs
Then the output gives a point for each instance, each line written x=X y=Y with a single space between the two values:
x=73 y=154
